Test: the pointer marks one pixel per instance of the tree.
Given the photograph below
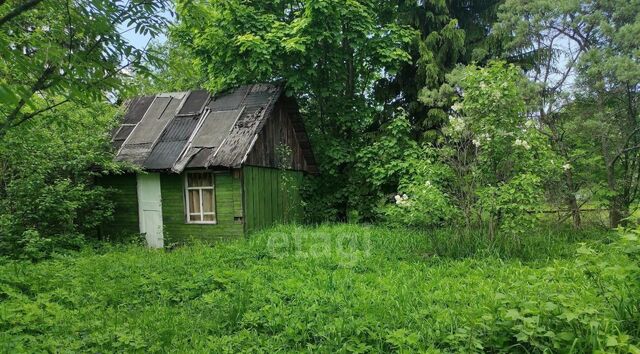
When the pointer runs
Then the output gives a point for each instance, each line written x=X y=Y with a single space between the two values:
x=548 y=40
x=580 y=55
x=55 y=52
x=331 y=54
x=48 y=199
x=499 y=160
x=450 y=33
x=610 y=80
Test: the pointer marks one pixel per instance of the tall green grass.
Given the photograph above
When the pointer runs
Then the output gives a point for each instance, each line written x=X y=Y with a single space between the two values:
x=334 y=288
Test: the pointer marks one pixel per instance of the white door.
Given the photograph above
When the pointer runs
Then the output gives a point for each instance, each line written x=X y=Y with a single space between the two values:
x=150 y=208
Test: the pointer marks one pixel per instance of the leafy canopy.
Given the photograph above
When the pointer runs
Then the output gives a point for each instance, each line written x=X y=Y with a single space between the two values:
x=56 y=52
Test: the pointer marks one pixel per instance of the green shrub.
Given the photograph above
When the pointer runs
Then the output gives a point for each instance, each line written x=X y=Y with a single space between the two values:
x=48 y=200
x=419 y=206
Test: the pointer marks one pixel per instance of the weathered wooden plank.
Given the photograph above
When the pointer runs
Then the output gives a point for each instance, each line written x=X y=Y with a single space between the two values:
x=237 y=193
x=269 y=198
x=125 y=216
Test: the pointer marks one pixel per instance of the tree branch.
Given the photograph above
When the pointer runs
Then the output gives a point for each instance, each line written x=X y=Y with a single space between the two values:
x=37 y=86
x=24 y=7
x=26 y=117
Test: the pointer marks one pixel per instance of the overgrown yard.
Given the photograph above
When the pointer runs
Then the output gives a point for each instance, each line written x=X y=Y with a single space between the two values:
x=333 y=288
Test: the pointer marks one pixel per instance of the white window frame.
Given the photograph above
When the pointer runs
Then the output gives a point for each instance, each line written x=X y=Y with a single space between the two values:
x=200 y=189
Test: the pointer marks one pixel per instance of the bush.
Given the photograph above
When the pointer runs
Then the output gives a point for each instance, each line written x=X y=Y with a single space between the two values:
x=420 y=201
x=49 y=202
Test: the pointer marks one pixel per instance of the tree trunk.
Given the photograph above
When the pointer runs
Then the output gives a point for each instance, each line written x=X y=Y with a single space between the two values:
x=575 y=211
x=572 y=201
x=558 y=144
x=618 y=209
x=618 y=213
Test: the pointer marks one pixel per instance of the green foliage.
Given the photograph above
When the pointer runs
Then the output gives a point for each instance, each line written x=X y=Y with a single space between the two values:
x=422 y=199
x=53 y=53
x=581 y=57
x=172 y=69
x=349 y=64
x=238 y=42
x=388 y=157
x=49 y=202
x=500 y=160
x=420 y=205
x=331 y=289
x=451 y=33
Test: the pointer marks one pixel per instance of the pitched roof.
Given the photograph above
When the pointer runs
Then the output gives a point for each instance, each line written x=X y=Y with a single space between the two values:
x=178 y=130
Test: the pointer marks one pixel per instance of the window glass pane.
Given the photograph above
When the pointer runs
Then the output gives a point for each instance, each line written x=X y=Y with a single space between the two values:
x=195 y=218
x=194 y=201
x=207 y=200
x=209 y=218
x=199 y=179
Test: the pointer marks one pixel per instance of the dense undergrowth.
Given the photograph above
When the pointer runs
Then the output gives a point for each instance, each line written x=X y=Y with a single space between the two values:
x=341 y=288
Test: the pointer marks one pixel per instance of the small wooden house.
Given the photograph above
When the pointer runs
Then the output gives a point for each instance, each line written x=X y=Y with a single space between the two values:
x=214 y=166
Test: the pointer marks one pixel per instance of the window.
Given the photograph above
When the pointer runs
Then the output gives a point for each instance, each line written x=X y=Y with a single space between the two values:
x=200 y=198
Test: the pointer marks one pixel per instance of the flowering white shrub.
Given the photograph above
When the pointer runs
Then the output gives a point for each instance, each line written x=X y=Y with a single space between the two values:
x=422 y=201
x=498 y=156
x=456 y=124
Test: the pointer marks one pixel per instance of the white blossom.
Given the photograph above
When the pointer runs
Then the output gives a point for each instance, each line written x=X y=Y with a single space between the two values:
x=476 y=142
x=522 y=143
x=457 y=124
x=401 y=199
x=427 y=183
x=457 y=107
x=567 y=166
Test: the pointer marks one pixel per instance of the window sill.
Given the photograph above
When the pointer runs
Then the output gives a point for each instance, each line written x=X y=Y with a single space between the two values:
x=201 y=222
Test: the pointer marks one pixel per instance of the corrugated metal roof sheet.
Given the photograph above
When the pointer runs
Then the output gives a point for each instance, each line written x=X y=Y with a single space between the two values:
x=230 y=100
x=215 y=128
x=191 y=129
x=137 y=108
x=138 y=146
x=194 y=103
x=172 y=143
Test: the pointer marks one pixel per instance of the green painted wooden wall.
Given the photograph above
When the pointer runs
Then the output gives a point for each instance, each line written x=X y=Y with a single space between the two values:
x=271 y=196
x=125 y=197
x=228 y=196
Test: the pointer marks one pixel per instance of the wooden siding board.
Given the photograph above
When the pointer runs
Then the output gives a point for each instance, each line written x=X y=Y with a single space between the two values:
x=269 y=200
x=173 y=211
x=125 y=216
x=265 y=200
x=248 y=197
x=237 y=193
x=275 y=197
x=280 y=128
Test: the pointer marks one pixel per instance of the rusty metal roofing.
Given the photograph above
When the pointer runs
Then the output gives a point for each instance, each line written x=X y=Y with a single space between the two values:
x=174 y=131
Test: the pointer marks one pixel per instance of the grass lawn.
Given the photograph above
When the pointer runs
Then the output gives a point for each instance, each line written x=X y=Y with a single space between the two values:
x=334 y=288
